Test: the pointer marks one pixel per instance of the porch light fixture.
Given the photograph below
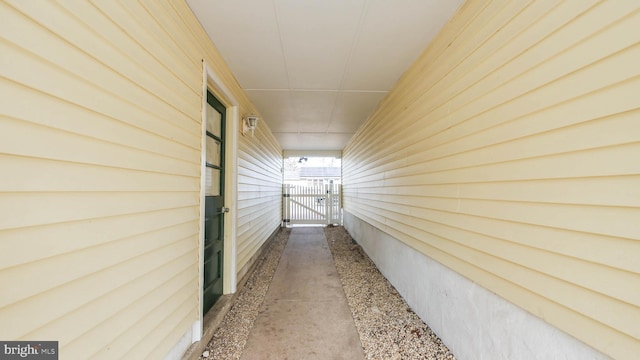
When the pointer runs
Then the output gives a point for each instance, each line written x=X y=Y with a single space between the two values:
x=249 y=123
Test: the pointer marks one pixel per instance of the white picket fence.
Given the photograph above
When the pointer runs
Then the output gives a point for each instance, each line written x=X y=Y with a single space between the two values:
x=312 y=204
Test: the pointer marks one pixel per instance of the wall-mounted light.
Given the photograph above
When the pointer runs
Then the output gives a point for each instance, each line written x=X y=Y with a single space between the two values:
x=249 y=123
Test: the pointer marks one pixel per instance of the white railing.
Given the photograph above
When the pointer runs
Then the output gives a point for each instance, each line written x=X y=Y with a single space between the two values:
x=312 y=204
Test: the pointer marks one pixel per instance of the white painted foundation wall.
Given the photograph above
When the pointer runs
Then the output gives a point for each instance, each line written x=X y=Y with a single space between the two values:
x=183 y=344
x=473 y=322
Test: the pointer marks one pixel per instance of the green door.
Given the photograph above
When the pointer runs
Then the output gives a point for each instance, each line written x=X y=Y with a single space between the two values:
x=214 y=203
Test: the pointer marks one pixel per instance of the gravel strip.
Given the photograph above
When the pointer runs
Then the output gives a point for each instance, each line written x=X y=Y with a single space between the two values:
x=231 y=336
x=387 y=326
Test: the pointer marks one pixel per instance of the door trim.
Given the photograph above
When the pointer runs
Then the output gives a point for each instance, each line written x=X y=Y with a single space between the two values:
x=212 y=81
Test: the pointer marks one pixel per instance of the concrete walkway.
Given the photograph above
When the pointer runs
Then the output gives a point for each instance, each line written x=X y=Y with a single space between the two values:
x=305 y=314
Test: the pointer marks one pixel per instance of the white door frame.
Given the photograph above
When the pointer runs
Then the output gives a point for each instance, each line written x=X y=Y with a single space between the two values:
x=212 y=82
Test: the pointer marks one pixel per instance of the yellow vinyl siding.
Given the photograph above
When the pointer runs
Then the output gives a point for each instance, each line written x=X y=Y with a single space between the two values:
x=507 y=153
x=259 y=193
x=100 y=135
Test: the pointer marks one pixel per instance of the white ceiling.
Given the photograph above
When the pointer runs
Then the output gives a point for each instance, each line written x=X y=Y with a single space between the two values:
x=316 y=69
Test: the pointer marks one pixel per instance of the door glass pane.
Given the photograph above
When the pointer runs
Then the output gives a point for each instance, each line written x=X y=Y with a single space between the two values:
x=213 y=151
x=212 y=182
x=213 y=121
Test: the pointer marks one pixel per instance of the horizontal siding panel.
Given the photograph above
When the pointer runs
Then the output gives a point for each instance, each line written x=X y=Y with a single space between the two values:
x=62 y=54
x=54 y=114
x=263 y=170
x=567 y=88
x=607 y=191
x=255 y=229
x=618 y=101
x=611 y=282
x=555 y=63
x=114 y=309
x=250 y=154
x=40 y=310
x=164 y=345
x=251 y=175
x=571 y=86
x=111 y=46
x=267 y=187
x=613 y=252
x=267 y=191
x=506 y=153
x=161 y=315
x=251 y=198
x=187 y=69
x=34 y=243
x=28 y=174
x=602 y=162
x=249 y=187
x=31 y=209
x=40 y=74
x=458 y=46
x=251 y=246
x=160 y=330
x=433 y=86
x=540 y=125
x=248 y=196
x=522 y=32
x=587 y=136
x=259 y=193
x=614 y=220
x=161 y=36
x=249 y=209
x=26 y=139
x=58 y=270
x=487 y=100
x=617 y=253
x=270 y=188
x=269 y=168
x=164 y=14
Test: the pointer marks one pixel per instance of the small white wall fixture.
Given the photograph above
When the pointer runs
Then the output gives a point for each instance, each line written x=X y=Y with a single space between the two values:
x=249 y=123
